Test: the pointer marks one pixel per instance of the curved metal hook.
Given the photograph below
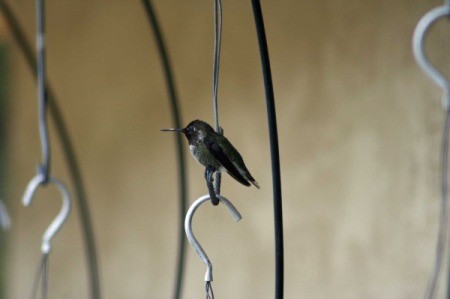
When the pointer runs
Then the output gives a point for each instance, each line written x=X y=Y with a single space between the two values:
x=190 y=235
x=63 y=214
x=419 y=53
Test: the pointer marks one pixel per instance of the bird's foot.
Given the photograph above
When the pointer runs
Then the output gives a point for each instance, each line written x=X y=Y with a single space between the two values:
x=209 y=183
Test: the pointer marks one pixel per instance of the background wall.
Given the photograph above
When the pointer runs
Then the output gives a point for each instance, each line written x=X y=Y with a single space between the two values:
x=359 y=128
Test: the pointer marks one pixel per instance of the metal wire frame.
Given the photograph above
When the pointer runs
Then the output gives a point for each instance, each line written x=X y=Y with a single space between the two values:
x=181 y=157
x=69 y=154
x=274 y=150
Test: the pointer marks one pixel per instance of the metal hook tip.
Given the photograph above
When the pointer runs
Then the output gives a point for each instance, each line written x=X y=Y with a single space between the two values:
x=231 y=208
x=31 y=189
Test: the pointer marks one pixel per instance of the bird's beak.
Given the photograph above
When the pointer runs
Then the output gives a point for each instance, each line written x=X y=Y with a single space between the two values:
x=173 y=130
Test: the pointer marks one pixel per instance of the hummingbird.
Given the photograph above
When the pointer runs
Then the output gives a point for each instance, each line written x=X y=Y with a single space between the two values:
x=215 y=152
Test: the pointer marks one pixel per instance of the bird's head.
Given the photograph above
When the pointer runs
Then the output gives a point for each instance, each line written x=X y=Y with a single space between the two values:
x=196 y=129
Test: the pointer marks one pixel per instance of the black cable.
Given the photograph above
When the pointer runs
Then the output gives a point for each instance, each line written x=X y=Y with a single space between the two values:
x=274 y=151
x=69 y=154
x=176 y=118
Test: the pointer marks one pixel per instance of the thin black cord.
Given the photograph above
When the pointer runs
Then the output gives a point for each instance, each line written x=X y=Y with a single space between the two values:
x=44 y=168
x=274 y=151
x=69 y=154
x=176 y=118
x=216 y=64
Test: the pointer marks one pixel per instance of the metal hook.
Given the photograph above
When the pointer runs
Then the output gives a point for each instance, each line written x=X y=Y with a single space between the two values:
x=419 y=53
x=63 y=214
x=190 y=235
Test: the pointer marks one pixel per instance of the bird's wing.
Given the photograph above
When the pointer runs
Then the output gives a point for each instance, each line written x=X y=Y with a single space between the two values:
x=216 y=150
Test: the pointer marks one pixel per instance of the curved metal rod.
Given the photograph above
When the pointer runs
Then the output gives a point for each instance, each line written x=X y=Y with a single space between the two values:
x=63 y=214
x=419 y=53
x=190 y=235
x=274 y=149
x=181 y=156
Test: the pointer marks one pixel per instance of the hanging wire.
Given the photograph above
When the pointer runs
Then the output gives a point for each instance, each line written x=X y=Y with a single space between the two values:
x=176 y=118
x=216 y=64
x=444 y=182
x=43 y=177
x=443 y=226
x=274 y=151
x=45 y=277
x=68 y=151
x=44 y=168
x=444 y=189
x=209 y=290
x=41 y=275
x=443 y=218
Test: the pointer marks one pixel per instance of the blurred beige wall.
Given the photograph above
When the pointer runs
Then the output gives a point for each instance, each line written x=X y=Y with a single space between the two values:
x=359 y=129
